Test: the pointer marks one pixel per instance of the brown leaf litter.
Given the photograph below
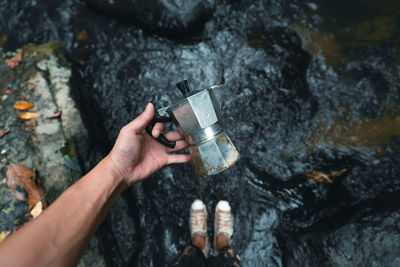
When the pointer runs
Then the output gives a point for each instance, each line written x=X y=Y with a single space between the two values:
x=23 y=183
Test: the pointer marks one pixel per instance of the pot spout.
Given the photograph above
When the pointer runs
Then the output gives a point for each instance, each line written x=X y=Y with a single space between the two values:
x=217 y=92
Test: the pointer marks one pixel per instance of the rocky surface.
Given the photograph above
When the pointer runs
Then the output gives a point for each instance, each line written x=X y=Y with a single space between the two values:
x=177 y=18
x=50 y=147
x=311 y=86
x=349 y=244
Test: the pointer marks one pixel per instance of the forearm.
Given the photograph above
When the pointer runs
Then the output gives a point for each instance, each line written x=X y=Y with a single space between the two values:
x=58 y=236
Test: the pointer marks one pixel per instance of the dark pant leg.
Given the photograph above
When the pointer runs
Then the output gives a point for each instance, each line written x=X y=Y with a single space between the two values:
x=225 y=258
x=191 y=256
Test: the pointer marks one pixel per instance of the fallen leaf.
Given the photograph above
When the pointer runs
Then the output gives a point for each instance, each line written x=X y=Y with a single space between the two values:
x=81 y=62
x=3 y=235
x=56 y=115
x=82 y=36
x=29 y=125
x=22 y=105
x=37 y=209
x=8 y=91
x=319 y=177
x=323 y=177
x=111 y=2
x=15 y=60
x=3 y=133
x=334 y=174
x=27 y=115
x=1 y=106
x=23 y=184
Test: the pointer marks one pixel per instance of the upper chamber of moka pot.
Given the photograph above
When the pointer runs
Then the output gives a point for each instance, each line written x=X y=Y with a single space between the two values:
x=198 y=115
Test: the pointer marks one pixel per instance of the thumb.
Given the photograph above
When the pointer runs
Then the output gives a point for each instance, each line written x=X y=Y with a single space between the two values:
x=140 y=123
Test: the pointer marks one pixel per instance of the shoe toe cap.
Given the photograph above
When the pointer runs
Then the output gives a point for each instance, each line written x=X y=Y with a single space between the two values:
x=223 y=205
x=197 y=205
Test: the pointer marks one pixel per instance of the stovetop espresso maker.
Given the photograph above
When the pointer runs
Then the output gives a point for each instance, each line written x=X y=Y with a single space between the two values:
x=198 y=115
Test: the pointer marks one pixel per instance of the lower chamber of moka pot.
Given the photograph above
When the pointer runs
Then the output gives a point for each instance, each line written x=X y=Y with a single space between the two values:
x=214 y=155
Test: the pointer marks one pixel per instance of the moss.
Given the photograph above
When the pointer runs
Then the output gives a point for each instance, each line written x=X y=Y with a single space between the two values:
x=3 y=39
x=69 y=147
x=31 y=145
x=52 y=193
x=32 y=51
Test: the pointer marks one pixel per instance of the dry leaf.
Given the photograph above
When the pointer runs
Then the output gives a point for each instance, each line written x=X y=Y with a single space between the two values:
x=27 y=115
x=56 y=115
x=3 y=133
x=15 y=60
x=29 y=125
x=22 y=105
x=81 y=62
x=1 y=106
x=82 y=36
x=3 y=235
x=22 y=182
x=319 y=177
x=37 y=209
x=111 y=2
x=323 y=177
x=334 y=174
x=8 y=91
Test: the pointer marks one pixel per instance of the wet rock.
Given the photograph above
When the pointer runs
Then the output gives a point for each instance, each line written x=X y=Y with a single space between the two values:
x=50 y=147
x=279 y=95
x=365 y=238
x=168 y=18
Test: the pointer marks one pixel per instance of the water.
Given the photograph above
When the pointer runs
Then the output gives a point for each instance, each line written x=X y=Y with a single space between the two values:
x=313 y=86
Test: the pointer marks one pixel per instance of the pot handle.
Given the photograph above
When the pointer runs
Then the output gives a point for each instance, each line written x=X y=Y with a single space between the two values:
x=162 y=139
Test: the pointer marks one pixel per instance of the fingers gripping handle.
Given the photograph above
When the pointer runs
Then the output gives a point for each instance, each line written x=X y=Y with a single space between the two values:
x=162 y=139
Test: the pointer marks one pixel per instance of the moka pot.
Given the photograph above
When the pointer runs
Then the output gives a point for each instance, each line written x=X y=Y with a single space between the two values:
x=198 y=115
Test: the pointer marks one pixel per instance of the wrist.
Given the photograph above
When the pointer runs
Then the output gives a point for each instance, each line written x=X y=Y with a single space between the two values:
x=114 y=171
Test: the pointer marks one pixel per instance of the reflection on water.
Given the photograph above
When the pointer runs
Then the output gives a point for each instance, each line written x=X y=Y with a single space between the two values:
x=320 y=43
x=334 y=29
x=371 y=133
x=360 y=40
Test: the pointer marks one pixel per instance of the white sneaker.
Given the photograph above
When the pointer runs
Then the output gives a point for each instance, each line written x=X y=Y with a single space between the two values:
x=223 y=222
x=198 y=222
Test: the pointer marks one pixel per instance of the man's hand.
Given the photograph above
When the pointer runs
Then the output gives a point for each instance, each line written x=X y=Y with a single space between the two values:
x=136 y=155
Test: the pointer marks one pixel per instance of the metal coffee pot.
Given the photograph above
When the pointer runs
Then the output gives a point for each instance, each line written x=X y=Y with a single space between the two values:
x=198 y=115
